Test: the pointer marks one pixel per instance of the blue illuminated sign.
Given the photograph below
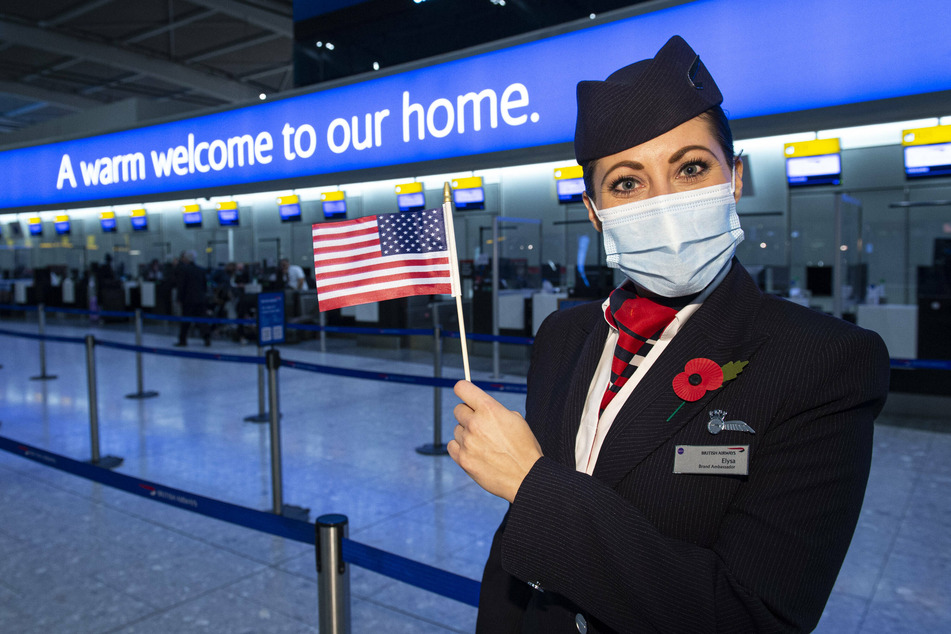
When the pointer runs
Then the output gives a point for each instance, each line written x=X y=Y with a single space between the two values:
x=514 y=98
x=270 y=319
x=192 y=219
x=334 y=209
x=411 y=202
x=290 y=213
x=228 y=217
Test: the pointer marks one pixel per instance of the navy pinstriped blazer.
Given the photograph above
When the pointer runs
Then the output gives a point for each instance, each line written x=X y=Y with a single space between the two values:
x=638 y=548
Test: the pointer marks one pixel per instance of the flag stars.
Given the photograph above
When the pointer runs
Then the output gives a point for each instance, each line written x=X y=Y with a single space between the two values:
x=412 y=232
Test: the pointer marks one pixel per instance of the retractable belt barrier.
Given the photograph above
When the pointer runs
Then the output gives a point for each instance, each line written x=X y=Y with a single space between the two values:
x=493 y=386
x=420 y=575
x=280 y=521
x=30 y=335
x=920 y=364
x=331 y=578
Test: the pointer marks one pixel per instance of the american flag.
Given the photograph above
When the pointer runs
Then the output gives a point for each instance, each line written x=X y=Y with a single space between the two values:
x=383 y=257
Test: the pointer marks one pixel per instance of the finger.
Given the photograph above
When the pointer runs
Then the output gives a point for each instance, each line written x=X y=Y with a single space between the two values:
x=463 y=413
x=474 y=396
x=453 y=448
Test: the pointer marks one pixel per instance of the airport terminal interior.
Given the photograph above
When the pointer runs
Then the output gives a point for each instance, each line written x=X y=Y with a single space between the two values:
x=846 y=210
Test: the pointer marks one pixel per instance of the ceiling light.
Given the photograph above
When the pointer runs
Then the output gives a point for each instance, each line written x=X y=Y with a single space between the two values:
x=376 y=65
x=329 y=46
x=262 y=96
x=319 y=44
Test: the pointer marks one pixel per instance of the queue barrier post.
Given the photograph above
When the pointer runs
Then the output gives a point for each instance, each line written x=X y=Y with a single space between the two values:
x=107 y=462
x=322 y=320
x=41 y=328
x=438 y=447
x=139 y=382
x=333 y=575
x=261 y=416
x=273 y=358
x=273 y=362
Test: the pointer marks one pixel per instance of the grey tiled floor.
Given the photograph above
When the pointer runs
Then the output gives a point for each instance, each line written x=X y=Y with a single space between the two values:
x=78 y=557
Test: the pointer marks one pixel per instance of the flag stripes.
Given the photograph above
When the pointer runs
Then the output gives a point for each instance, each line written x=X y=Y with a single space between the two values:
x=351 y=267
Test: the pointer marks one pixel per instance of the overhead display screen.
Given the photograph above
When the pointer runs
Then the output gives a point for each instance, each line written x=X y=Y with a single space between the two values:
x=290 y=212
x=814 y=170
x=928 y=160
x=509 y=99
x=411 y=202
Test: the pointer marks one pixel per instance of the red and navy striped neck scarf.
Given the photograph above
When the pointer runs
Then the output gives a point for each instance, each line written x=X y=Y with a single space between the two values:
x=640 y=322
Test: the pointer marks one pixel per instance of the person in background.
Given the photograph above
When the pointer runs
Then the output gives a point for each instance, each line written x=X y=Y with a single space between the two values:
x=245 y=303
x=694 y=453
x=293 y=276
x=154 y=271
x=192 y=293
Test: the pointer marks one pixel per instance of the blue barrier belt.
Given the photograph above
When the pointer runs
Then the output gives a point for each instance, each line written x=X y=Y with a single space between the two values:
x=91 y=313
x=441 y=582
x=24 y=308
x=363 y=331
x=200 y=320
x=920 y=364
x=526 y=341
x=414 y=573
x=250 y=518
x=30 y=335
x=515 y=388
x=210 y=356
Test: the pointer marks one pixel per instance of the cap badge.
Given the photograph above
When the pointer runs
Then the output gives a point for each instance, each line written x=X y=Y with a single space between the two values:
x=692 y=73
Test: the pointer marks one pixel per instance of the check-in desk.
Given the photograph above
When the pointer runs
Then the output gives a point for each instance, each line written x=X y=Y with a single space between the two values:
x=147 y=294
x=897 y=324
x=544 y=304
x=20 y=290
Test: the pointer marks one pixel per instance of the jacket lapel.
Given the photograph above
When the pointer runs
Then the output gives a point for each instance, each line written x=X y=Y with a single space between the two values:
x=587 y=363
x=719 y=330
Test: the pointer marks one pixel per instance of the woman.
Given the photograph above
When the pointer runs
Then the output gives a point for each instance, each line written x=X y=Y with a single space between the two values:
x=695 y=453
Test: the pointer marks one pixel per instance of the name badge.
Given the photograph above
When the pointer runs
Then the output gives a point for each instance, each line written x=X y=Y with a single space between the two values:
x=712 y=459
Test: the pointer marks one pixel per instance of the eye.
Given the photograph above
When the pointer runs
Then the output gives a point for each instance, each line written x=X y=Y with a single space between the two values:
x=623 y=184
x=694 y=169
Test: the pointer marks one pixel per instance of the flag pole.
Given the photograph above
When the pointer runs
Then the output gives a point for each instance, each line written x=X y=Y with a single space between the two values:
x=456 y=281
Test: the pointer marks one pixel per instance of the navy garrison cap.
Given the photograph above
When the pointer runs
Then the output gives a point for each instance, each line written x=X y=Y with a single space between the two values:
x=642 y=101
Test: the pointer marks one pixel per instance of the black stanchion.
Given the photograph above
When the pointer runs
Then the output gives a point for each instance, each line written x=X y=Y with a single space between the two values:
x=333 y=576
x=438 y=447
x=262 y=415
x=41 y=326
x=273 y=362
x=107 y=462
x=140 y=392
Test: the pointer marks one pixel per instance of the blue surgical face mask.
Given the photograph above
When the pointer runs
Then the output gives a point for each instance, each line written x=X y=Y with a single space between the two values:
x=673 y=245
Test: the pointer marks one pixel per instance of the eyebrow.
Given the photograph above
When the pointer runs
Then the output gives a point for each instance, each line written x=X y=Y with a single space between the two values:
x=679 y=154
x=634 y=165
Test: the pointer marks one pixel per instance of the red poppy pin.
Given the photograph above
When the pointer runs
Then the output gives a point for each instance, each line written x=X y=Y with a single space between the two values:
x=702 y=375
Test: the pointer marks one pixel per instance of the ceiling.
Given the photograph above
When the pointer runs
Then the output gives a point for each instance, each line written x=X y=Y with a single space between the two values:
x=62 y=57
x=58 y=57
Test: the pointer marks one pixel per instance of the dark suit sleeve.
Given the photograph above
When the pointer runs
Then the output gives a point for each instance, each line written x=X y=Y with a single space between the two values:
x=780 y=542
x=502 y=597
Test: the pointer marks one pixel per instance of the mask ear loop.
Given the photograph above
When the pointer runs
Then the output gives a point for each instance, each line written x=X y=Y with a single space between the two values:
x=733 y=178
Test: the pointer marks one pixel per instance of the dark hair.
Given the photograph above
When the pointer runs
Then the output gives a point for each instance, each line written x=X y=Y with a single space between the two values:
x=719 y=126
